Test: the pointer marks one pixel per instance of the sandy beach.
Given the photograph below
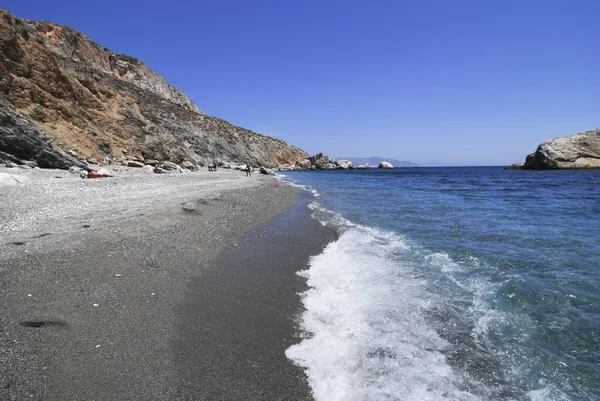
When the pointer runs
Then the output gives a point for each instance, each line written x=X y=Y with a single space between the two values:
x=153 y=287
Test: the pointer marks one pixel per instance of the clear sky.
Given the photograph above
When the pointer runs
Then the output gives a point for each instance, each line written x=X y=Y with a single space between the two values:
x=458 y=82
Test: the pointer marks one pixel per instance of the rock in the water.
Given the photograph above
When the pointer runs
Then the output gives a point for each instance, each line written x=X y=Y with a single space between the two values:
x=11 y=165
x=322 y=162
x=385 y=165
x=23 y=140
x=362 y=167
x=133 y=163
x=579 y=151
x=515 y=166
x=344 y=164
x=152 y=162
x=303 y=164
x=148 y=169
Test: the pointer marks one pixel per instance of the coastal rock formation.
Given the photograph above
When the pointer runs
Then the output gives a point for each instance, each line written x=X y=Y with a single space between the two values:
x=321 y=161
x=106 y=106
x=22 y=142
x=304 y=164
x=515 y=166
x=344 y=164
x=579 y=151
x=373 y=161
x=385 y=165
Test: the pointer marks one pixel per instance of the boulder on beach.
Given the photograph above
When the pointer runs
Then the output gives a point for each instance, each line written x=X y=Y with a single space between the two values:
x=268 y=171
x=169 y=165
x=188 y=165
x=133 y=163
x=579 y=151
x=385 y=165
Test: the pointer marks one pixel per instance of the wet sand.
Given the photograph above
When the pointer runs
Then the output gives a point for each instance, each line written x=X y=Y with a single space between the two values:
x=157 y=288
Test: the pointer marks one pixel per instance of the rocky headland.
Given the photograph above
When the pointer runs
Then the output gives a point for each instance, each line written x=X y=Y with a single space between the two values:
x=579 y=151
x=66 y=100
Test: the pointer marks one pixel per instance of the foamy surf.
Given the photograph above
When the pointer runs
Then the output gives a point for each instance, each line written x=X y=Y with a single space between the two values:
x=367 y=338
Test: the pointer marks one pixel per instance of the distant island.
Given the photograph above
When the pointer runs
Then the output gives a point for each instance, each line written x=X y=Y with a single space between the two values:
x=374 y=161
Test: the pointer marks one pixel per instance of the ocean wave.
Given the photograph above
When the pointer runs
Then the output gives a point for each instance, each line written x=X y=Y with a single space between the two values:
x=368 y=338
x=387 y=319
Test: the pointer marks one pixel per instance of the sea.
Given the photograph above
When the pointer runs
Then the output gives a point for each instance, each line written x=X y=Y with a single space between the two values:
x=456 y=283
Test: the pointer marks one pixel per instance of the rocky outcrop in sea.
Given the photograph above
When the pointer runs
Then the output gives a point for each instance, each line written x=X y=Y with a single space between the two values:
x=98 y=106
x=579 y=151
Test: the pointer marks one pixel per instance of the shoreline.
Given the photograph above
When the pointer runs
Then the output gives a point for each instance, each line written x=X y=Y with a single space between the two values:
x=106 y=311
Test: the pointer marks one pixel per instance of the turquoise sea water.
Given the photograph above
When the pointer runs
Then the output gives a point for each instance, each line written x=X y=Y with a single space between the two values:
x=472 y=283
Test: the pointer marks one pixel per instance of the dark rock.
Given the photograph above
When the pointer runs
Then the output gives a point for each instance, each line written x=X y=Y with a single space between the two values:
x=268 y=171
x=22 y=139
x=579 y=151
x=151 y=162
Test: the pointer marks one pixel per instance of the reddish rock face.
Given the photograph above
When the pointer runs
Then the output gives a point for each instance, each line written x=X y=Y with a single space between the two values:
x=94 y=102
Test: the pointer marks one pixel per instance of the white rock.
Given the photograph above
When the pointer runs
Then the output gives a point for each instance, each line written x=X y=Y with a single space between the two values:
x=13 y=179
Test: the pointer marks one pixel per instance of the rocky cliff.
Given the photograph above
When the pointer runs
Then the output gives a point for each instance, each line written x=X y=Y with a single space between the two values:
x=99 y=105
x=579 y=151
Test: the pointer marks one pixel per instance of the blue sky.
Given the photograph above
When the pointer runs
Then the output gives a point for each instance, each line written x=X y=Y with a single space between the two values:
x=457 y=82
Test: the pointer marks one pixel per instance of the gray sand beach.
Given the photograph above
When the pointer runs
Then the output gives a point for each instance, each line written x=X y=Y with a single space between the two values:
x=152 y=287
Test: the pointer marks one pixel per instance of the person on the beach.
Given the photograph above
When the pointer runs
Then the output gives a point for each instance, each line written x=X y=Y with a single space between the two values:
x=248 y=170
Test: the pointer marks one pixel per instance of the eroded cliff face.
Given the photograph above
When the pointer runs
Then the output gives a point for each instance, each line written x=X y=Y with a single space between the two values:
x=94 y=103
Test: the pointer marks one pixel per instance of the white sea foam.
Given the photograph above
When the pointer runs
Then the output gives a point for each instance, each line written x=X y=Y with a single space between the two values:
x=305 y=187
x=367 y=338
